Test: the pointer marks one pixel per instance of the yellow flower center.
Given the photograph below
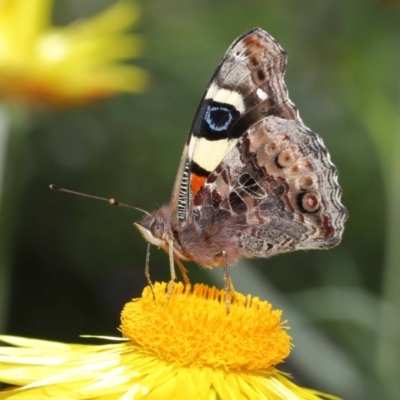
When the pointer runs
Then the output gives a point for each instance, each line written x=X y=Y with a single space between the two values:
x=193 y=328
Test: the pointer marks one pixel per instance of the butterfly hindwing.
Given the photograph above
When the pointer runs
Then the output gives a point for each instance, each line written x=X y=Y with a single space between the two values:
x=275 y=191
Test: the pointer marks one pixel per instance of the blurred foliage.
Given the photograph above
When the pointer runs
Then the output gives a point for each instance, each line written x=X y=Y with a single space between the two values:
x=76 y=262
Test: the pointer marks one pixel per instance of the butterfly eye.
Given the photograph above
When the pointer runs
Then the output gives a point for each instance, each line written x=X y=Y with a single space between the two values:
x=157 y=229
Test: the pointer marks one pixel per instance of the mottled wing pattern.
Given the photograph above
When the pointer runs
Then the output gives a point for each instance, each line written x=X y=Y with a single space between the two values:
x=276 y=191
x=246 y=87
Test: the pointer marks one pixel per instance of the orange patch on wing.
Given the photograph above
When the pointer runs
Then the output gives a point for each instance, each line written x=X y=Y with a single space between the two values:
x=253 y=41
x=197 y=182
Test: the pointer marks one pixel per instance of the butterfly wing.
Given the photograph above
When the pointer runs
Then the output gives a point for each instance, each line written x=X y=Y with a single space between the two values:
x=246 y=87
x=253 y=177
x=276 y=191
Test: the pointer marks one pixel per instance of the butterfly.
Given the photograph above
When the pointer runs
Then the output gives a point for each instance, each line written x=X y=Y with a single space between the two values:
x=253 y=180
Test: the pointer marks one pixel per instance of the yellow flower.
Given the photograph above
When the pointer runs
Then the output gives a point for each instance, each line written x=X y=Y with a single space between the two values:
x=186 y=347
x=62 y=66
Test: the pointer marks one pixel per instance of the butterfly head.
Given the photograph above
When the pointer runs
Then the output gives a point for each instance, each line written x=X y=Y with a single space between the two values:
x=155 y=227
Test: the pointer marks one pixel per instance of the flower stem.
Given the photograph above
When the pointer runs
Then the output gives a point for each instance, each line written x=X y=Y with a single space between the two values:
x=13 y=152
x=5 y=272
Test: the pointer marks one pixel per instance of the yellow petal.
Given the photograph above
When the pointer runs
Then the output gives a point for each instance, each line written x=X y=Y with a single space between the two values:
x=134 y=369
x=70 y=65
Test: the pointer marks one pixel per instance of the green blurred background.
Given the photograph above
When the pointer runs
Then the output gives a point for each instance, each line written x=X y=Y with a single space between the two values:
x=75 y=262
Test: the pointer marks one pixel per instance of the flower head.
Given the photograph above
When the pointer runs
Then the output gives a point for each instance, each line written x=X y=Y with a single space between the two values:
x=62 y=66
x=186 y=346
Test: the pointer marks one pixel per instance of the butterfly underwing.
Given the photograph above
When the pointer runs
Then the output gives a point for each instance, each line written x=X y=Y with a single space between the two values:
x=253 y=181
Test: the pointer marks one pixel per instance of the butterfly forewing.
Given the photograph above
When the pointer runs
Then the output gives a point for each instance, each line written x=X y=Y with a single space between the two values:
x=247 y=86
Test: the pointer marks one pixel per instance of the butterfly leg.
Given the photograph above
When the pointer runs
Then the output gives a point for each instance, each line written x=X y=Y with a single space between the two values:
x=147 y=270
x=183 y=271
x=227 y=283
x=171 y=267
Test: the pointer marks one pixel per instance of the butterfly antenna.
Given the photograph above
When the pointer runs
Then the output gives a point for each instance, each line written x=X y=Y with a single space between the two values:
x=111 y=201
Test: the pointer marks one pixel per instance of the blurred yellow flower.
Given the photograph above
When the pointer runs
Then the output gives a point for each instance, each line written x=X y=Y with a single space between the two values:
x=63 y=66
x=186 y=347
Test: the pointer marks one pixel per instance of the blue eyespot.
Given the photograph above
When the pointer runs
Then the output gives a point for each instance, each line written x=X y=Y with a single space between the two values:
x=217 y=121
x=218 y=118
